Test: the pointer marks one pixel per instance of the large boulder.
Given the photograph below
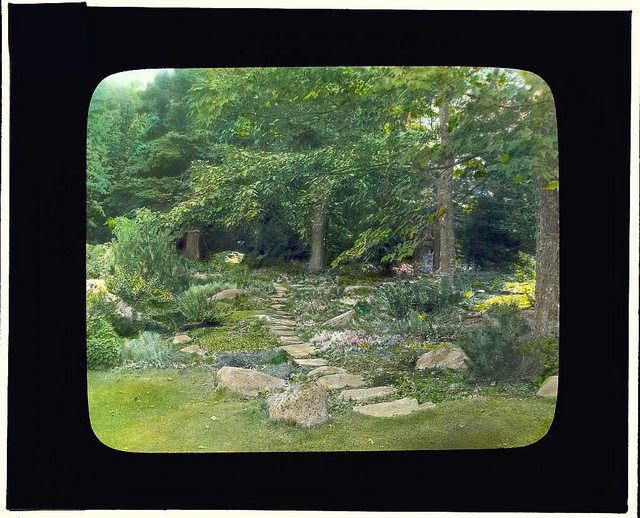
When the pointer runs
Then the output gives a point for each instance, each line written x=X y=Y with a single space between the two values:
x=342 y=319
x=247 y=382
x=443 y=358
x=303 y=404
x=231 y=293
x=549 y=388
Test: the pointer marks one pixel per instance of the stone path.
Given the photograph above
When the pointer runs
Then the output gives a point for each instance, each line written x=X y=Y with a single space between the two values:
x=328 y=376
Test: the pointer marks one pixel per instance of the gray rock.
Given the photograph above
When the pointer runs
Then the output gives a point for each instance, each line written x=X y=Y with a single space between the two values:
x=342 y=319
x=303 y=404
x=126 y=311
x=231 y=293
x=402 y=406
x=247 y=382
x=325 y=370
x=298 y=350
x=354 y=287
x=443 y=358
x=338 y=381
x=549 y=388
x=368 y=393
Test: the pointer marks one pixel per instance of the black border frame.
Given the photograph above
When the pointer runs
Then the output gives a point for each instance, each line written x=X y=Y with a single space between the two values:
x=59 y=53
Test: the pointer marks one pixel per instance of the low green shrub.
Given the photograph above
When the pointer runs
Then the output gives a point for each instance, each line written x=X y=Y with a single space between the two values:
x=103 y=343
x=98 y=258
x=252 y=359
x=148 y=350
x=99 y=303
x=246 y=335
x=405 y=297
x=493 y=350
x=195 y=306
x=545 y=353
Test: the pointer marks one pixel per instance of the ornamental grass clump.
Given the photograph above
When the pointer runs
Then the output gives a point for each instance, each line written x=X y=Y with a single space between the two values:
x=148 y=350
x=196 y=308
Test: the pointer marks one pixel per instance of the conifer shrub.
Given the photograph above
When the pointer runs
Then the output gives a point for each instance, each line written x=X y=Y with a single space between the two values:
x=494 y=351
x=403 y=298
x=146 y=269
x=195 y=306
x=103 y=343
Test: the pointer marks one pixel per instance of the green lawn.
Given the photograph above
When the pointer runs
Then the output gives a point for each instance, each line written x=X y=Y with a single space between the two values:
x=179 y=411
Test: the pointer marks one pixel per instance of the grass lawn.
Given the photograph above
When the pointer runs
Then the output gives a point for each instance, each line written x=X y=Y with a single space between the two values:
x=179 y=411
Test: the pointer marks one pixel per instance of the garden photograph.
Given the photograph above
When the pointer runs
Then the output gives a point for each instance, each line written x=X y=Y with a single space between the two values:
x=322 y=259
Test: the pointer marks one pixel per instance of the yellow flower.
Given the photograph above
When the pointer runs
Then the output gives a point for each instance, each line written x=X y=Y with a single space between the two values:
x=422 y=316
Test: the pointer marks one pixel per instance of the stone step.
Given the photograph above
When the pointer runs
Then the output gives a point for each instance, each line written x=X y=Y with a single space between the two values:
x=363 y=394
x=288 y=340
x=312 y=362
x=326 y=370
x=298 y=350
x=281 y=328
x=402 y=406
x=277 y=306
x=338 y=381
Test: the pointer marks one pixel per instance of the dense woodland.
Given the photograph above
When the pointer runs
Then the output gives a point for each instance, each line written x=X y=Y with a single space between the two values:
x=331 y=166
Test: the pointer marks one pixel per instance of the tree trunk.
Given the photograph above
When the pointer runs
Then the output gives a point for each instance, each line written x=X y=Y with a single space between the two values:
x=445 y=199
x=547 y=315
x=317 y=260
x=192 y=246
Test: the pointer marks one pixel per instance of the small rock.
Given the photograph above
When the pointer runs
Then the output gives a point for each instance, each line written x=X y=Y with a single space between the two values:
x=443 y=358
x=194 y=349
x=549 y=388
x=362 y=394
x=247 y=382
x=354 y=287
x=342 y=319
x=338 y=381
x=348 y=302
x=325 y=370
x=304 y=404
x=181 y=339
x=402 y=406
x=312 y=362
x=231 y=293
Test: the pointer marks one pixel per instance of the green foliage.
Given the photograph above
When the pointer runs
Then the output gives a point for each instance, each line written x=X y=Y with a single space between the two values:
x=98 y=258
x=405 y=297
x=525 y=267
x=148 y=350
x=103 y=344
x=545 y=353
x=493 y=350
x=195 y=306
x=100 y=304
x=147 y=270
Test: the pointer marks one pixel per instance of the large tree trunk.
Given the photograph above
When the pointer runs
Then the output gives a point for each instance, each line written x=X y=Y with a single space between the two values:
x=547 y=314
x=192 y=246
x=317 y=260
x=447 y=260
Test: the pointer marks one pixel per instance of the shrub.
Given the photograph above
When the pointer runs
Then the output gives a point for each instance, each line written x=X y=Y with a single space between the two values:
x=148 y=350
x=146 y=267
x=252 y=359
x=99 y=303
x=247 y=335
x=195 y=306
x=545 y=354
x=493 y=350
x=103 y=344
x=402 y=298
x=98 y=258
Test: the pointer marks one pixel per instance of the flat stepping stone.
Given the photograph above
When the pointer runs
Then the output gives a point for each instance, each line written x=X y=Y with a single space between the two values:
x=287 y=334
x=283 y=322
x=312 y=362
x=402 y=406
x=298 y=350
x=281 y=328
x=194 y=349
x=277 y=306
x=368 y=393
x=338 y=381
x=181 y=339
x=292 y=338
x=326 y=370
x=247 y=382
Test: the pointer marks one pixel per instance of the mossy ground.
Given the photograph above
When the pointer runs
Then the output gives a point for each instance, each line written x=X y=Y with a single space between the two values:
x=179 y=411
